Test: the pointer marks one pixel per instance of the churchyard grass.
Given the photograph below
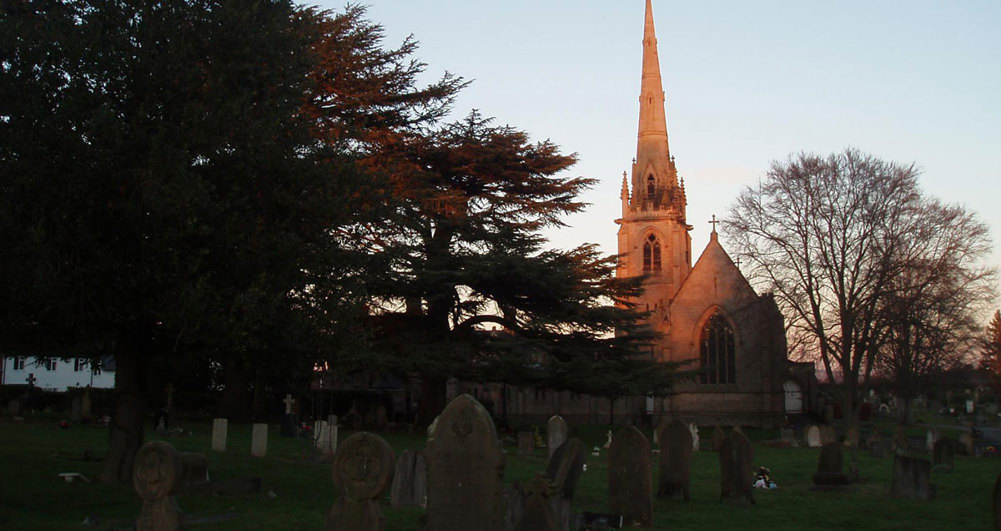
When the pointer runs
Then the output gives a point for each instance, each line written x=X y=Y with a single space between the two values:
x=297 y=487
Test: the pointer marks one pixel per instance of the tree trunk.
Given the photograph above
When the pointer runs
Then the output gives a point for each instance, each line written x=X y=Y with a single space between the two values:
x=260 y=409
x=849 y=413
x=611 y=412
x=235 y=401
x=434 y=393
x=908 y=403
x=127 y=421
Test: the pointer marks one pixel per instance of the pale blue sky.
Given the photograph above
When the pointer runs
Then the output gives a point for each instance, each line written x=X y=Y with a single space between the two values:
x=746 y=82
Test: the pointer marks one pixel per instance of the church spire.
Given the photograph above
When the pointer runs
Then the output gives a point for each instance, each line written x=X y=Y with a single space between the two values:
x=653 y=155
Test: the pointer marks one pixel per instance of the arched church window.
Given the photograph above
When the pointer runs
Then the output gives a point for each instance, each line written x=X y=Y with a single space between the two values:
x=651 y=254
x=650 y=188
x=716 y=352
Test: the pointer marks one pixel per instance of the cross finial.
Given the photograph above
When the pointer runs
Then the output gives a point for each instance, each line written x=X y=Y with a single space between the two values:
x=738 y=261
x=714 y=222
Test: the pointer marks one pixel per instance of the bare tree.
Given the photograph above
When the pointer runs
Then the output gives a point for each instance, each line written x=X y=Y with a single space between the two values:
x=825 y=234
x=934 y=304
x=990 y=349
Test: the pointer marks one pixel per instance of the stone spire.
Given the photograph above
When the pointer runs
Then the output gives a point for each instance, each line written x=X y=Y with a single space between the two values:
x=653 y=156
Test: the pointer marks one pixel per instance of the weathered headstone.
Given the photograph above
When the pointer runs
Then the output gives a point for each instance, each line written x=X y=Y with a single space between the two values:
x=880 y=448
x=736 y=457
x=694 y=428
x=718 y=437
x=943 y=454
x=538 y=514
x=326 y=436
x=219 y=433
x=930 y=439
x=813 y=436
x=465 y=470
x=259 y=440
x=154 y=474
x=787 y=436
x=563 y=470
x=526 y=443
x=363 y=469
x=911 y=478
x=966 y=443
x=830 y=466
x=900 y=443
x=629 y=470
x=852 y=437
x=675 y=460
x=85 y=406
x=194 y=469
x=410 y=482
x=75 y=406
x=828 y=435
x=556 y=433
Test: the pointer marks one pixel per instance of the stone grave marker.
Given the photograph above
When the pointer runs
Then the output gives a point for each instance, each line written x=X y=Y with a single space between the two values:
x=736 y=457
x=675 y=460
x=85 y=406
x=14 y=407
x=828 y=435
x=830 y=466
x=787 y=436
x=465 y=470
x=75 y=407
x=537 y=514
x=194 y=469
x=326 y=437
x=880 y=448
x=930 y=439
x=911 y=478
x=564 y=470
x=219 y=433
x=852 y=437
x=259 y=440
x=813 y=436
x=556 y=434
x=943 y=454
x=410 y=482
x=718 y=437
x=290 y=424
x=694 y=428
x=966 y=443
x=629 y=476
x=363 y=469
x=526 y=443
x=155 y=472
x=900 y=442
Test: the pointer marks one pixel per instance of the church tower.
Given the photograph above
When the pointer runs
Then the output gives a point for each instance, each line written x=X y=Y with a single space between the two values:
x=653 y=233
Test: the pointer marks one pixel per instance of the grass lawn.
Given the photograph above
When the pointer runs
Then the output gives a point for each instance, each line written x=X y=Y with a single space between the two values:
x=297 y=489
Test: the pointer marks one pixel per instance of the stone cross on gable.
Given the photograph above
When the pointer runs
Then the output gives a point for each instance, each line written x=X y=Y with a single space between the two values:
x=714 y=222
x=31 y=379
x=289 y=402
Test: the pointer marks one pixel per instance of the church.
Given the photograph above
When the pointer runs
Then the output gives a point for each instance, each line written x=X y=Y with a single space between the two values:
x=707 y=314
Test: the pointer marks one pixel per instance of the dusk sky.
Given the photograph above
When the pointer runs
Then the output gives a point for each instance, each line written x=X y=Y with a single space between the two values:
x=746 y=82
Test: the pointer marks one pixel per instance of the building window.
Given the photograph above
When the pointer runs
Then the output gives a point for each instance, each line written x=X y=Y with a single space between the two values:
x=79 y=364
x=651 y=254
x=716 y=352
x=18 y=363
x=650 y=188
x=50 y=364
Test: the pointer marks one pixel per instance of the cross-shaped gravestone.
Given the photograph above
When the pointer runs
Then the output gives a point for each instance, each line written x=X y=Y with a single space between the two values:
x=31 y=379
x=289 y=402
x=714 y=222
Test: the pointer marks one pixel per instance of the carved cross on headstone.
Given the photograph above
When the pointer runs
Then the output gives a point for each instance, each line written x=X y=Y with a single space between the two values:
x=714 y=222
x=289 y=402
x=31 y=379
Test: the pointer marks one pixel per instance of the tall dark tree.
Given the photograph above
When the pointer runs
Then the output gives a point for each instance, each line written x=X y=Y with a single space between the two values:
x=160 y=200
x=990 y=356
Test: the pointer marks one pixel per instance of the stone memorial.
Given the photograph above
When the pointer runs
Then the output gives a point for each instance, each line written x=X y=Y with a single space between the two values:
x=900 y=442
x=675 y=460
x=852 y=437
x=325 y=437
x=911 y=478
x=718 y=437
x=694 y=428
x=556 y=434
x=219 y=433
x=880 y=448
x=930 y=439
x=155 y=473
x=830 y=466
x=194 y=469
x=85 y=407
x=966 y=443
x=465 y=466
x=290 y=423
x=736 y=458
x=526 y=443
x=259 y=440
x=828 y=435
x=362 y=471
x=813 y=436
x=410 y=481
x=943 y=454
x=564 y=470
x=787 y=436
x=629 y=477
x=75 y=408
x=537 y=514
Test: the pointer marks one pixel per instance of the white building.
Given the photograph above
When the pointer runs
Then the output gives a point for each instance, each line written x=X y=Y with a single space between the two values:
x=57 y=374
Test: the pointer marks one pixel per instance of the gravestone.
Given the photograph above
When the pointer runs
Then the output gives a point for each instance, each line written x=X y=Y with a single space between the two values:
x=900 y=442
x=828 y=435
x=694 y=428
x=930 y=439
x=966 y=443
x=537 y=514
x=675 y=460
x=718 y=437
x=290 y=424
x=556 y=434
x=465 y=470
x=629 y=464
x=154 y=475
x=911 y=478
x=829 y=467
x=943 y=454
x=14 y=407
x=75 y=407
x=410 y=482
x=852 y=437
x=563 y=470
x=736 y=457
x=787 y=436
x=526 y=443
x=194 y=469
x=362 y=470
x=85 y=407
x=880 y=448
x=259 y=440
x=219 y=432
x=326 y=437
x=813 y=436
